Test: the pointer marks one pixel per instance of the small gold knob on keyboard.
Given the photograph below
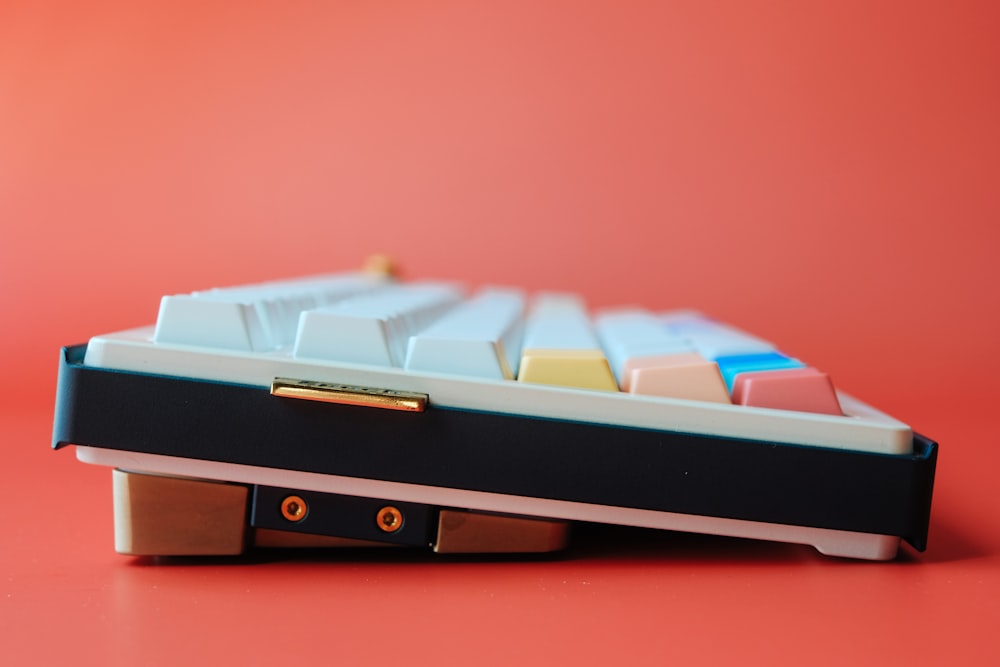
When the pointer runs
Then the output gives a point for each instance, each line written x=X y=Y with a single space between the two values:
x=382 y=265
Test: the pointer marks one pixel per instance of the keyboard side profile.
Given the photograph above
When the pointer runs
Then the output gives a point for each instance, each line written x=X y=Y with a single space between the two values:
x=506 y=461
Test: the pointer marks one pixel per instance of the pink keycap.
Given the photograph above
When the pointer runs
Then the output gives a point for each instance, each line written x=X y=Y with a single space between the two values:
x=799 y=389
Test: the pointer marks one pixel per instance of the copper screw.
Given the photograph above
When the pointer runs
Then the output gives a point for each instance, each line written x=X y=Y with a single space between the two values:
x=294 y=508
x=389 y=519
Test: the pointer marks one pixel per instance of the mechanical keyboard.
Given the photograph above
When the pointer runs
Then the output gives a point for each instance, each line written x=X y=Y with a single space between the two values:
x=358 y=410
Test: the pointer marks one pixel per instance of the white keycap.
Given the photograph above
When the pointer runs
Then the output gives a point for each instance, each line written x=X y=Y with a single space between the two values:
x=251 y=318
x=279 y=303
x=560 y=347
x=625 y=334
x=647 y=359
x=712 y=339
x=210 y=321
x=373 y=328
x=559 y=322
x=479 y=338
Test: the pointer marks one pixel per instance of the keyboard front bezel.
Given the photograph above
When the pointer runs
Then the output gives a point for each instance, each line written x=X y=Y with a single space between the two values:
x=490 y=452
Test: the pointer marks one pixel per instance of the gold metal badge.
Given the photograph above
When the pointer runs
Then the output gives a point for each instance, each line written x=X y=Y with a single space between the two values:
x=372 y=397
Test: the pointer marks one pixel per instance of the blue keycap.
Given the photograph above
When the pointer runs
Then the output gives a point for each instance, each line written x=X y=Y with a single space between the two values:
x=746 y=363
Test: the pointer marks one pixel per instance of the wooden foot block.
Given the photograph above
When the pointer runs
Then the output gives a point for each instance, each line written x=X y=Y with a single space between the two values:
x=268 y=538
x=462 y=531
x=170 y=516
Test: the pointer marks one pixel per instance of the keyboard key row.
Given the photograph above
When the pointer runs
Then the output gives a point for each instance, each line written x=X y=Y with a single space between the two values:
x=430 y=327
x=373 y=328
x=253 y=318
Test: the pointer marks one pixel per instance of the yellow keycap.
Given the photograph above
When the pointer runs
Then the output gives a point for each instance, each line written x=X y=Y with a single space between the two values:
x=586 y=369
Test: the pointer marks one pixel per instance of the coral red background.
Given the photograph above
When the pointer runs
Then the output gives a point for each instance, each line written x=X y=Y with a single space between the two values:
x=824 y=174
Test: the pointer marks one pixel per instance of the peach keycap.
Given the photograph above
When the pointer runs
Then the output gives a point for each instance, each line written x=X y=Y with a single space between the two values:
x=687 y=375
x=799 y=389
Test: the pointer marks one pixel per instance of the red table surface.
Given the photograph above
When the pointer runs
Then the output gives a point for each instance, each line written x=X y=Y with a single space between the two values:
x=823 y=174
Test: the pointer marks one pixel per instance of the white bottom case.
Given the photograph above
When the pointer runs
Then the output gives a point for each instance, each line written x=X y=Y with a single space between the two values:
x=840 y=543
